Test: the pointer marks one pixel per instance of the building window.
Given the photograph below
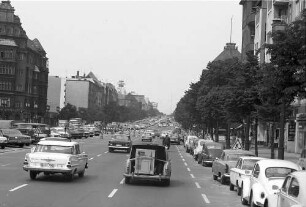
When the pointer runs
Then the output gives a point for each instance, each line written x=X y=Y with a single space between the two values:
x=5 y=86
x=21 y=56
x=17 y=104
x=19 y=87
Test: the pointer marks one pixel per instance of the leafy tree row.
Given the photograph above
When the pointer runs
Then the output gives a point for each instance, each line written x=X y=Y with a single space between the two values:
x=230 y=91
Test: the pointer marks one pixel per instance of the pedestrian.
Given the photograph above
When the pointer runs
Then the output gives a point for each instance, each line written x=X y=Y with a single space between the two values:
x=166 y=141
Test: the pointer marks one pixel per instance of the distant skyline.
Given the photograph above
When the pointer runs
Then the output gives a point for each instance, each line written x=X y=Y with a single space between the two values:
x=157 y=47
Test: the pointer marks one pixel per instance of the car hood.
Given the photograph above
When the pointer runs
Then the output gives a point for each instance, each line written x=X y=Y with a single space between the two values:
x=43 y=157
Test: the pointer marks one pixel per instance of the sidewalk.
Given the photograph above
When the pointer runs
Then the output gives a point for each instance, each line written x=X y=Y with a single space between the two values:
x=264 y=151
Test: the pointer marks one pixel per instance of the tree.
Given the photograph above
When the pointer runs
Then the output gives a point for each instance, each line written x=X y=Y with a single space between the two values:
x=67 y=112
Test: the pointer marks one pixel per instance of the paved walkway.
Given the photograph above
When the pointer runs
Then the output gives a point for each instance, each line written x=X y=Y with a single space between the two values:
x=264 y=151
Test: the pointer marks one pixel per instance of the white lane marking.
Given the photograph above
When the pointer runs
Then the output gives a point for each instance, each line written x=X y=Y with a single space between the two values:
x=5 y=165
x=197 y=184
x=99 y=155
x=188 y=169
x=183 y=160
x=90 y=158
x=112 y=193
x=18 y=187
x=122 y=181
x=185 y=163
x=205 y=198
x=106 y=152
x=192 y=175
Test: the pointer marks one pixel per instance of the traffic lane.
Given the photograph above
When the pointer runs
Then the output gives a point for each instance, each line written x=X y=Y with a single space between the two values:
x=181 y=193
x=213 y=190
x=103 y=175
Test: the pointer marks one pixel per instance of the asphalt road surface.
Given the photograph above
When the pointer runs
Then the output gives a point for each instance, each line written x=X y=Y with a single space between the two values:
x=103 y=184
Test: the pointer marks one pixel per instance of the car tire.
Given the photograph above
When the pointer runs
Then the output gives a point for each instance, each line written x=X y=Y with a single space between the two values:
x=2 y=147
x=199 y=161
x=127 y=180
x=69 y=176
x=231 y=187
x=81 y=174
x=238 y=191
x=166 y=182
x=243 y=200
x=27 y=144
x=21 y=145
x=223 y=180
x=215 y=177
x=252 y=204
x=46 y=173
x=33 y=175
x=110 y=150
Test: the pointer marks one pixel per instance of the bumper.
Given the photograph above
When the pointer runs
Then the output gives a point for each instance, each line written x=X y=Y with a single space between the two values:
x=147 y=177
x=26 y=168
x=119 y=147
x=20 y=142
x=207 y=161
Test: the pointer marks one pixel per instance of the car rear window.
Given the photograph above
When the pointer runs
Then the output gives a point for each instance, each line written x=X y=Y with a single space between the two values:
x=248 y=164
x=278 y=172
x=54 y=149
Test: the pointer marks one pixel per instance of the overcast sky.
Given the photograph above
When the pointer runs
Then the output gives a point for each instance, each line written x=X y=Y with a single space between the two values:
x=158 y=48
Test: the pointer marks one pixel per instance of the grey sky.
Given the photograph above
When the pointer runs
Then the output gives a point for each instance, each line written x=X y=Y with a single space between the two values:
x=158 y=48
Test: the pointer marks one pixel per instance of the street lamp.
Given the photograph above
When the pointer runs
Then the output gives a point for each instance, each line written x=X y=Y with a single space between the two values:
x=35 y=110
x=47 y=113
x=27 y=105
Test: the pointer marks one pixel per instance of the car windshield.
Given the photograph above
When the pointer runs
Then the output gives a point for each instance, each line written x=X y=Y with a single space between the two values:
x=278 y=172
x=214 y=146
x=11 y=131
x=248 y=164
x=54 y=149
x=234 y=157
x=120 y=137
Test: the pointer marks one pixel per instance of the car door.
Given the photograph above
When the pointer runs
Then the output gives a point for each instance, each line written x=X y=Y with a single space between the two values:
x=236 y=171
x=254 y=176
x=293 y=193
x=283 y=193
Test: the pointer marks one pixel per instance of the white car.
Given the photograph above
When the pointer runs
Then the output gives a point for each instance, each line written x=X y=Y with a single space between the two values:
x=189 y=141
x=198 y=149
x=292 y=193
x=50 y=157
x=243 y=169
x=267 y=177
x=3 y=141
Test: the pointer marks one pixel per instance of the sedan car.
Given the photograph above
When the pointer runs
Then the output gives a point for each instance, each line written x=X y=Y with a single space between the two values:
x=15 y=137
x=242 y=169
x=60 y=132
x=120 y=142
x=221 y=167
x=292 y=192
x=52 y=157
x=148 y=161
x=268 y=175
x=210 y=152
x=199 y=147
x=189 y=142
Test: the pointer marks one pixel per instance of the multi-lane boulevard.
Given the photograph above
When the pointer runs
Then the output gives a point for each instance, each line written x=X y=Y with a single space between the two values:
x=103 y=184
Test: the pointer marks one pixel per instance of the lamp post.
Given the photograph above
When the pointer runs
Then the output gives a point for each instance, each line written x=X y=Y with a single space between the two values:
x=27 y=105
x=35 y=110
x=58 y=109
x=47 y=114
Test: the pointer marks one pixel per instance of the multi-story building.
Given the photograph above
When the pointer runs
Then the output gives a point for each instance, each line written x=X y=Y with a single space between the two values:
x=23 y=70
x=274 y=15
x=230 y=51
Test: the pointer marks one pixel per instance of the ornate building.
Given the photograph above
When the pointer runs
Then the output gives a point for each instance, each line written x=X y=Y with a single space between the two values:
x=23 y=70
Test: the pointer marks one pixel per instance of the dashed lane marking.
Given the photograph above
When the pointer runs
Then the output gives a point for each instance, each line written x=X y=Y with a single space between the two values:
x=122 y=181
x=112 y=193
x=197 y=184
x=192 y=175
x=188 y=169
x=18 y=187
x=205 y=198
x=99 y=155
x=106 y=152
x=90 y=158
x=185 y=163
x=183 y=160
x=5 y=165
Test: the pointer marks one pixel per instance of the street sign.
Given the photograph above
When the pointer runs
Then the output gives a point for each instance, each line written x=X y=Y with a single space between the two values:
x=237 y=144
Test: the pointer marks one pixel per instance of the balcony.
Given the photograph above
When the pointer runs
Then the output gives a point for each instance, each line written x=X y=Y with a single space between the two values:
x=280 y=2
x=280 y=23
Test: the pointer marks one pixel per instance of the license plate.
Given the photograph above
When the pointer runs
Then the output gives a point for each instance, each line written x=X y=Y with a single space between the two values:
x=46 y=165
x=119 y=145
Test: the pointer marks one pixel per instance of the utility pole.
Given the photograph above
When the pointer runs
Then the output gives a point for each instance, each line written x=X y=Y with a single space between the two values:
x=281 y=149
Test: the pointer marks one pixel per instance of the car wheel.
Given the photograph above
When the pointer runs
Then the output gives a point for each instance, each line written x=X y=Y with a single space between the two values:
x=21 y=145
x=231 y=187
x=199 y=161
x=46 y=173
x=215 y=177
x=27 y=144
x=166 y=182
x=243 y=200
x=33 y=175
x=2 y=147
x=69 y=176
x=110 y=150
x=223 y=180
x=252 y=204
x=81 y=174
x=238 y=191
x=127 y=180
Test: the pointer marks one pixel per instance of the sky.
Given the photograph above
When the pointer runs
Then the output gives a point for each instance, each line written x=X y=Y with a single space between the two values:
x=156 y=47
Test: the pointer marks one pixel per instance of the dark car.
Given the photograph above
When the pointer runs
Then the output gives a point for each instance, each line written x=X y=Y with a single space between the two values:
x=120 y=142
x=15 y=137
x=210 y=151
x=148 y=161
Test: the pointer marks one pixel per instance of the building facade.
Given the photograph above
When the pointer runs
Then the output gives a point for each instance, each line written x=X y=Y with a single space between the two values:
x=23 y=70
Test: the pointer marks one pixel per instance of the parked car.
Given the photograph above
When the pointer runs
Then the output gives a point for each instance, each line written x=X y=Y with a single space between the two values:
x=210 y=151
x=199 y=147
x=50 y=157
x=174 y=138
x=3 y=141
x=15 y=137
x=242 y=169
x=267 y=177
x=302 y=159
x=149 y=160
x=120 y=142
x=189 y=142
x=221 y=167
x=292 y=192
x=60 y=132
